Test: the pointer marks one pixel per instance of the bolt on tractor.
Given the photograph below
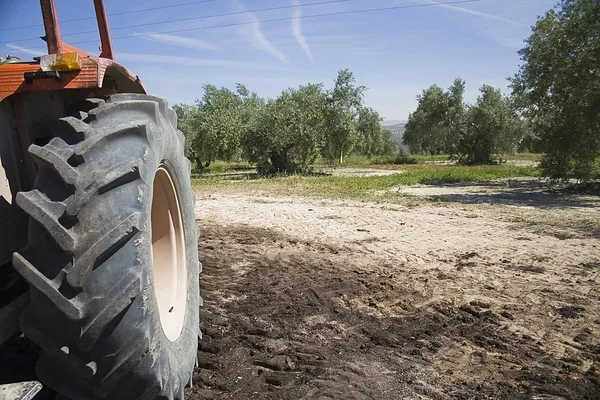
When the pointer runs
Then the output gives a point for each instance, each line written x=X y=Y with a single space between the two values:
x=98 y=241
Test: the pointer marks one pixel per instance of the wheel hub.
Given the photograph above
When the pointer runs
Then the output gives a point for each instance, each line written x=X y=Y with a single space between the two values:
x=168 y=255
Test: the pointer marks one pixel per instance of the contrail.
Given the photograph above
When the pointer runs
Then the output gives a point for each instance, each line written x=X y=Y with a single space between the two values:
x=297 y=30
x=259 y=38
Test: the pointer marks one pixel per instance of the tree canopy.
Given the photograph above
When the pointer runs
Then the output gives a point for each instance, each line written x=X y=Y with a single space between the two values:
x=558 y=87
x=285 y=134
x=212 y=127
x=373 y=139
x=343 y=104
x=443 y=123
x=492 y=128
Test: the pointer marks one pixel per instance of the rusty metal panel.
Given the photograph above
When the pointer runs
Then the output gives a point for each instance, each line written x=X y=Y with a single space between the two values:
x=105 y=64
x=105 y=40
x=11 y=155
x=12 y=78
x=51 y=26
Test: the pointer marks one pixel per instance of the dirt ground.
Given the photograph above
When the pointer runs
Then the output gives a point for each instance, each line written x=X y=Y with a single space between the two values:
x=321 y=299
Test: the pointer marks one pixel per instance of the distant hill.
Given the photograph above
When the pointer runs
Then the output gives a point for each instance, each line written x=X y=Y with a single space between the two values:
x=397 y=130
x=389 y=122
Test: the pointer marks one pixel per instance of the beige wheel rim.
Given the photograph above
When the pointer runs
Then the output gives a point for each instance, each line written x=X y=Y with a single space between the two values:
x=169 y=267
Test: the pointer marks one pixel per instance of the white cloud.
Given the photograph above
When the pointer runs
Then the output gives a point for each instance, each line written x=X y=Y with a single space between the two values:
x=32 y=52
x=473 y=12
x=504 y=23
x=297 y=30
x=254 y=32
x=191 y=61
x=178 y=41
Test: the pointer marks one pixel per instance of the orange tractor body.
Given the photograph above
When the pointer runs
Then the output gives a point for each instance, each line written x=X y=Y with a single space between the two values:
x=93 y=72
x=98 y=240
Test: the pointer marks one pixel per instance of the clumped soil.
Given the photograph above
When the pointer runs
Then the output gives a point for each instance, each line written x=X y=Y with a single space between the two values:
x=322 y=299
x=289 y=318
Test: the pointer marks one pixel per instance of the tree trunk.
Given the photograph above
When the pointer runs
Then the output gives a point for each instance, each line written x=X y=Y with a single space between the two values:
x=280 y=162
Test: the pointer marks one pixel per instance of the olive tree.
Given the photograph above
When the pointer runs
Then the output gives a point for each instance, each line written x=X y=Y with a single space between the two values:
x=288 y=132
x=374 y=140
x=343 y=104
x=213 y=126
x=433 y=127
x=491 y=128
x=473 y=134
x=558 y=87
x=427 y=127
x=184 y=124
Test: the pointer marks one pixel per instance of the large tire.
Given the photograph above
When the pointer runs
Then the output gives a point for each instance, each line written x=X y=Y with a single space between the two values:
x=96 y=307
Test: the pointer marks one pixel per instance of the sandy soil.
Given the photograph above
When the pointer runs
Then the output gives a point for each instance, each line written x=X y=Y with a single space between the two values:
x=322 y=299
x=251 y=173
x=360 y=171
x=519 y=192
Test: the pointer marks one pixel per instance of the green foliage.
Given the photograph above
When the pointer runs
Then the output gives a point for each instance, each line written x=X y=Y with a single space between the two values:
x=455 y=118
x=184 y=123
x=531 y=141
x=443 y=123
x=388 y=144
x=286 y=134
x=402 y=157
x=558 y=87
x=212 y=127
x=436 y=125
x=374 y=140
x=341 y=112
x=288 y=131
x=426 y=127
x=492 y=128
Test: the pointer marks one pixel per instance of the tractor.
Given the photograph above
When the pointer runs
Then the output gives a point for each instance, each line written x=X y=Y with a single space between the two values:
x=98 y=240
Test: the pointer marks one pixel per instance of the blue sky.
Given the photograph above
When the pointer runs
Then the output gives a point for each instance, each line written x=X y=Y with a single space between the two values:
x=395 y=53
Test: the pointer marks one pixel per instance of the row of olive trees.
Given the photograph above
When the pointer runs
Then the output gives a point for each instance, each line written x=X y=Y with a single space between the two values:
x=558 y=88
x=471 y=133
x=286 y=134
x=554 y=107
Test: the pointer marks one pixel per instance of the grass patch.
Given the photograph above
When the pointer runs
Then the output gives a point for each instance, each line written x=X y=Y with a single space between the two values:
x=356 y=161
x=533 y=157
x=424 y=158
x=367 y=187
x=223 y=167
x=387 y=162
x=377 y=189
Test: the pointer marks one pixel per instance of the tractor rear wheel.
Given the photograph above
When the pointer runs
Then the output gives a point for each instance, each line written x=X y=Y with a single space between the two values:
x=112 y=258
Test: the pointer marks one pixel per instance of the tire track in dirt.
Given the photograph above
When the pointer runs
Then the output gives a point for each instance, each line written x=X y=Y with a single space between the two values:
x=291 y=314
x=341 y=300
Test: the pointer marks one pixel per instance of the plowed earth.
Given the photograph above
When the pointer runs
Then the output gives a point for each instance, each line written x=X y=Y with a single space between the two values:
x=320 y=299
x=312 y=299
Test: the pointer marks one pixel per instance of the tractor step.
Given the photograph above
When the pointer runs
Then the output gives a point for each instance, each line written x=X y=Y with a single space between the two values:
x=20 y=390
x=9 y=318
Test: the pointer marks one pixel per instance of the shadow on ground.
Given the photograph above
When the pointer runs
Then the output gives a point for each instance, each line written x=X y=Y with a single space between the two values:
x=280 y=322
x=518 y=192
